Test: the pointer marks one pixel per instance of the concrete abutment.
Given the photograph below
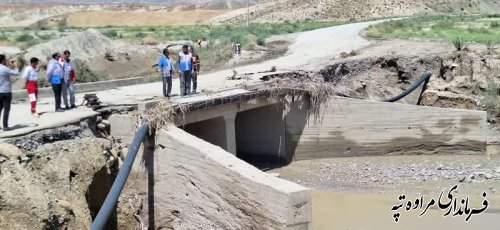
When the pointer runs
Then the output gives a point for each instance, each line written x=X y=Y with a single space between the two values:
x=197 y=181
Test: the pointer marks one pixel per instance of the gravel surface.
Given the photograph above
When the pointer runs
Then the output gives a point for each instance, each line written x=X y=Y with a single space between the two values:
x=388 y=174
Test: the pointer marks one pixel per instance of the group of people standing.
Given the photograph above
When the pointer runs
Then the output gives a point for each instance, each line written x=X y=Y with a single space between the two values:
x=60 y=74
x=187 y=67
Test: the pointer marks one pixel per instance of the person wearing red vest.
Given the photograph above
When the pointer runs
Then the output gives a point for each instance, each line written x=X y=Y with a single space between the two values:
x=30 y=76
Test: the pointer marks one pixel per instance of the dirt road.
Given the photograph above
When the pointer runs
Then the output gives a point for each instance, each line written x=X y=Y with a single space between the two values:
x=307 y=48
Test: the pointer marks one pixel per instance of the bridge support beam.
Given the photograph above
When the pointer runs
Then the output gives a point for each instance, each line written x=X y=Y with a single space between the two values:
x=230 y=133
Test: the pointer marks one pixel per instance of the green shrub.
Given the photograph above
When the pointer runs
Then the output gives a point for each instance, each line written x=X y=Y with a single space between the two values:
x=490 y=46
x=261 y=41
x=3 y=37
x=61 y=25
x=495 y=24
x=491 y=98
x=110 y=33
x=25 y=38
x=140 y=35
x=84 y=74
x=459 y=43
x=482 y=30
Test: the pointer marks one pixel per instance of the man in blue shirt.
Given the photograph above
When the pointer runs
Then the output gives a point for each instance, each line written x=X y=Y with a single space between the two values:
x=166 y=70
x=55 y=78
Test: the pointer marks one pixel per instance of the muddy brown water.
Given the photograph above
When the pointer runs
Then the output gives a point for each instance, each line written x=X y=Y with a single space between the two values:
x=357 y=211
x=358 y=193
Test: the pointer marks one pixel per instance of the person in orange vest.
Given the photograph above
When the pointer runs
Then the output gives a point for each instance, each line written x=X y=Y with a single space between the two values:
x=30 y=76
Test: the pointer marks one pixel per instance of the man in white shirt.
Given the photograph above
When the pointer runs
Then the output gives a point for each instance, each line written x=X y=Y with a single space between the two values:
x=6 y=88
x=185 y=62
x=68 y=86
x=30 y=76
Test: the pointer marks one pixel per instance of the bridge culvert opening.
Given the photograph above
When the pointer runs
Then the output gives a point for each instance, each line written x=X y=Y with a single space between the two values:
x=260 y=136
x=212 y=131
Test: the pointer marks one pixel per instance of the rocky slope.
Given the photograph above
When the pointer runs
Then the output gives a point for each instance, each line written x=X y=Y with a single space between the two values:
x=292 y=10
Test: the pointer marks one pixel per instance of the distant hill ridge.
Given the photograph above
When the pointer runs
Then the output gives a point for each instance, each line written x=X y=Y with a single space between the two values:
x=302 y=10
x=120 y=1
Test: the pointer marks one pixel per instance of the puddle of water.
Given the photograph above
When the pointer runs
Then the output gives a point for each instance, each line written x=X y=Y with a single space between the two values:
x=336 y=210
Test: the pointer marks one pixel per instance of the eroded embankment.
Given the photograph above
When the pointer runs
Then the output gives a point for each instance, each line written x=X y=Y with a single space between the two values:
x=463 y=80
x=56 y=179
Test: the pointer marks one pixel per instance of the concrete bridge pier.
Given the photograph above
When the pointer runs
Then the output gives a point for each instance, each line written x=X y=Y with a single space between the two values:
x=230 y=127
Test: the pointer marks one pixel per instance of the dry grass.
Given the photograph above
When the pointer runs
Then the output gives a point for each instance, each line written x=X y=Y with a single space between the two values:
x=297 y=85
x=163 y=114
x=156 y=18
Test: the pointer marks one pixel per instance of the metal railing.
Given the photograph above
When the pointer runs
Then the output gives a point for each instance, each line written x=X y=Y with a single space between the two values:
x=108 y=207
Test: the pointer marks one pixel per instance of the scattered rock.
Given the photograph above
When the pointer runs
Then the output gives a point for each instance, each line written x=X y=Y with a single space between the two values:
x=114 y=153
x=120 y=163
x=65 y=204
x=9 y=151
x=101 y=126
x=106 y=123
x=124 y=153
x=98 y=119
x=105 y=143
x=274 y=174
x=25 y=158
x=488 y=176
x=462 y=178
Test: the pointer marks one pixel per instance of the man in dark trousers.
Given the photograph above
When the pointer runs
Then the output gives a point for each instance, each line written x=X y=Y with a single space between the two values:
x=166 y=70
x=6 y=88
x=185 y=62
x=56 y=79
x=196 y=69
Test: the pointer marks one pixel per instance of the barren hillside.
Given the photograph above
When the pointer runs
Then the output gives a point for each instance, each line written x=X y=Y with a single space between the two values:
x=292 y=10
x=142 y=18
x=26 y=13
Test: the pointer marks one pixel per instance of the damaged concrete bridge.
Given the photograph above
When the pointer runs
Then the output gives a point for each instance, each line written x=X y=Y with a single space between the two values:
x=204 y=154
